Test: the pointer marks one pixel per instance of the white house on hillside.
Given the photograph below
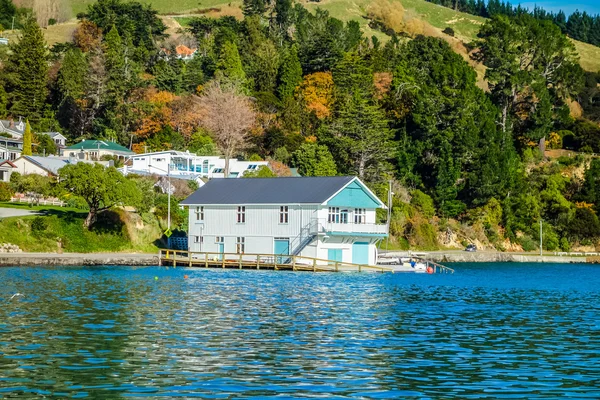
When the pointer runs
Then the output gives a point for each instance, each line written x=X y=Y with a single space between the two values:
x=329 y=218
x=17 y=129
x=185 y=165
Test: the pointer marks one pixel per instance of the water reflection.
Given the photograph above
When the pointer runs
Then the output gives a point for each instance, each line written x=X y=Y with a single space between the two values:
x=481 y=333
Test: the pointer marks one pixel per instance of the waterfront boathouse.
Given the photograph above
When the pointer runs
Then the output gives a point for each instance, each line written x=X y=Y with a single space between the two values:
x=329 y=218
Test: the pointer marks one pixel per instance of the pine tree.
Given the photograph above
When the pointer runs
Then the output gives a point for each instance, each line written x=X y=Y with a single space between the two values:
x=27 y=140
x=27 y=73
x=115 y=65
x=360 y=138
x=284 y=15
x=3 y=101
x=254 y=7
x=290 y=74
x=229 y=66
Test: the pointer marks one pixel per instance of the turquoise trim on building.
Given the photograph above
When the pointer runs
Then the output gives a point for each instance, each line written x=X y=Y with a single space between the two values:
x=357 y=234
x=355 y=196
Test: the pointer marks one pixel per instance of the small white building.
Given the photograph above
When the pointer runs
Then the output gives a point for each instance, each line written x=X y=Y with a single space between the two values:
x=184 y=165
x=6 y=169
x=94 y=150
x=16 y=131
x=47 y=166
x=332 y=218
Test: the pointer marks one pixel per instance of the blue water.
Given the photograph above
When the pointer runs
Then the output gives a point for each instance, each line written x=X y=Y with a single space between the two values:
x=488 y=331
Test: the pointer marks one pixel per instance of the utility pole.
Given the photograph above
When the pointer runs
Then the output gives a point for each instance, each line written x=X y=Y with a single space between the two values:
x=13 y=24
x=389 y=216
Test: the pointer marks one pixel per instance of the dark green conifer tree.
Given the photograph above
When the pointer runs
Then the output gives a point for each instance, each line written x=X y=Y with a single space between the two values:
x=290 y=74
x=27 y=73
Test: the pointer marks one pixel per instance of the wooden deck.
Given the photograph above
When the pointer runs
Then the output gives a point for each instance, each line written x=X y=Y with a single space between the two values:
x=261 y=261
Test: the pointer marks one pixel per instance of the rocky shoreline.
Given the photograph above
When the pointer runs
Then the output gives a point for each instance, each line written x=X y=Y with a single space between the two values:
x=494 y=257
x=77 y=259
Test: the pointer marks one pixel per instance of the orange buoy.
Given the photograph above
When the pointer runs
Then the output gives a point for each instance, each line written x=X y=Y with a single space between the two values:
x=185 y=277
x=429 y=270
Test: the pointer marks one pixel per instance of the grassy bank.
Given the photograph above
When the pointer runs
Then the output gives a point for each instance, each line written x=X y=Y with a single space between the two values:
x=56 y=229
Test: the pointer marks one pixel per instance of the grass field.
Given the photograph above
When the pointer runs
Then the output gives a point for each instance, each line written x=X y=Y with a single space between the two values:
x=116 y=231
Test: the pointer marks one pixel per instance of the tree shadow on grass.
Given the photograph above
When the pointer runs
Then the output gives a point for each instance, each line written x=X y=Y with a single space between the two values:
x=67 y=216
x=109 y=222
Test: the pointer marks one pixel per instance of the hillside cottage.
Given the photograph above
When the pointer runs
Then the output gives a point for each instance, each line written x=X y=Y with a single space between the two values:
x=94 y=150
x=329 y=218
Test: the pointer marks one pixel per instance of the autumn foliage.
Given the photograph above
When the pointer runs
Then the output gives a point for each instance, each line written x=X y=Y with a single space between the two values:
x=317 y=92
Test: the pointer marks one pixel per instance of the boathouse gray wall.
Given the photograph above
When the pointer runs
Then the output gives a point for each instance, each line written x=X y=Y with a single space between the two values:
x=262 y=227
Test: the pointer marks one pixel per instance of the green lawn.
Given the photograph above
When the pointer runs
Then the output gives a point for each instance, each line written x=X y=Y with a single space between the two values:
x=48 y=208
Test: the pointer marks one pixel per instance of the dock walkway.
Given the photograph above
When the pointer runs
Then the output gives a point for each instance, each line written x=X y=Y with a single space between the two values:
x=261 y=261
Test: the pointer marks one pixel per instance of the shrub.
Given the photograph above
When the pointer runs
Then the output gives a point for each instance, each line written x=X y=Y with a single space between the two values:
x=6 y=191
x=423 y=203
x=527 y=243
x=39 y=225
x=449 y=31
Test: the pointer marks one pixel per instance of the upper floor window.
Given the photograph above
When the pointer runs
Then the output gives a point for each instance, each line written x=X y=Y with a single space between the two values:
x=283 y=215
x=360 y=216
x=334 y=215
x=200 y=213
x=241 y=215
x=252 y=166
x=240 y=245
x=199 y=239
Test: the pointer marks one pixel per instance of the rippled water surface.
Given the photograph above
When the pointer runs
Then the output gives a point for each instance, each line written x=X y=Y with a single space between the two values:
x=488 y=331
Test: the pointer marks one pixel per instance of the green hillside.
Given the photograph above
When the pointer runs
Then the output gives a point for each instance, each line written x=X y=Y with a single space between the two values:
x=435 y=17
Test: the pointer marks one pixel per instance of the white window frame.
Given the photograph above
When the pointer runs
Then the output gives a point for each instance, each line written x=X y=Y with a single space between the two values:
x=200 y=213
x=333 y=217
x=360 y=215
x=241 y=215
x=284 y=214
x=240 y=245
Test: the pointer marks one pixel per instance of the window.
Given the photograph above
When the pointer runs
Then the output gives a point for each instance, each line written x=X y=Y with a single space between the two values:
x=200 y=213
x=240 y=245
x=198 y=239
x=344 y=216
x=360 y=216
x=334 y=215
x=219 y=239
x=252 y=166
x=218 y=170
x=283 y=215
x=241 y=215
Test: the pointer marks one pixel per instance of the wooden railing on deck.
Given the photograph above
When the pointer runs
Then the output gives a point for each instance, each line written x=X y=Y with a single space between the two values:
x=258 y=261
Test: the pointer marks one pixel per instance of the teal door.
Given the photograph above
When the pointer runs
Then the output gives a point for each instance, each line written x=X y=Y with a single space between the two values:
x=360 y=253
x=221 y=250
x=334 y=255
x=282 y=247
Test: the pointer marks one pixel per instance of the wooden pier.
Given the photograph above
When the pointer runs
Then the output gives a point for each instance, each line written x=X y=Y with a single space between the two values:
x=261 y=261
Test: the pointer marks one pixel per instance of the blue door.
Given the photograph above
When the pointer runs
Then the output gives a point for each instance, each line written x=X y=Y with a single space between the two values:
x=282 y=247
x=221 y=246
x=334 y=255
x=360 y=253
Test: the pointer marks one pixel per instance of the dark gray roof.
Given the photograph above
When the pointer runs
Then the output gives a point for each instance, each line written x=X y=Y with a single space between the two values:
x=302 y=190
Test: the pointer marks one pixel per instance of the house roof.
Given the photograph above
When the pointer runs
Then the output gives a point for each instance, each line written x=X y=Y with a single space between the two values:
x=288 y=190
x=49 y=164
x=184 y=50
x=16 y=128
x=8 y=162
x=100 y=144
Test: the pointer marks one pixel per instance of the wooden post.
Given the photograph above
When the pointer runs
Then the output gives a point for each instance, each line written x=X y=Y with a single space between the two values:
x=205 y=260
x=223 y=260
x=258 y=261
x=359 y=268
x=240 y=261
x=160 y=258
x=314 y=265
x=167 y=257
x=174 y=258
x=337 y=264
x=293 y=263
x=190 y=258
